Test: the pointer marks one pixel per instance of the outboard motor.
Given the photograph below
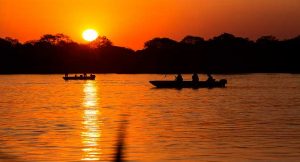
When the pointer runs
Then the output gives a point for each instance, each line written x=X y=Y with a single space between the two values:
x=223 y=82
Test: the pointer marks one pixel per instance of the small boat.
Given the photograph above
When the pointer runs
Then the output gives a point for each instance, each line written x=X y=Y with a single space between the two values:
x=91 y=77
x=189 y=84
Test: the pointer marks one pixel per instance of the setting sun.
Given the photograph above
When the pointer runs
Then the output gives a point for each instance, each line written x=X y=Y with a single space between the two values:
x=89 y=35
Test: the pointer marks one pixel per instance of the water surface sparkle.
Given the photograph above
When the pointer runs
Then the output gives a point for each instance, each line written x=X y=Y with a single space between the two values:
x=46 y=119
x=92 y=131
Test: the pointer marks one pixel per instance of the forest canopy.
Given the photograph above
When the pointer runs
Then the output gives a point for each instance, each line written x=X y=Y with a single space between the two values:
x=225 y=53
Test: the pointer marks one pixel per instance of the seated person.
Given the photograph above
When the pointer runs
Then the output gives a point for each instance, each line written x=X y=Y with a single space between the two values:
x=178 y=78
x=195 y=77
x=210 y=78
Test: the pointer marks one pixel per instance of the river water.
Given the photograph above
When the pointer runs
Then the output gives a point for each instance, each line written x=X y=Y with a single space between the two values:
x=44 y=118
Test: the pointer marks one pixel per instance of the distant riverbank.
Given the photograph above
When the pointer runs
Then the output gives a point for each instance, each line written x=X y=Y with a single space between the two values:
x=223 y=54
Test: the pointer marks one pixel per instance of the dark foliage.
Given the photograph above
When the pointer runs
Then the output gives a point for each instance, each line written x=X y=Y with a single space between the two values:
x=222 y=54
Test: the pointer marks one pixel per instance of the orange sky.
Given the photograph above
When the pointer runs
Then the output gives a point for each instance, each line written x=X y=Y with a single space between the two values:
x=130 y=23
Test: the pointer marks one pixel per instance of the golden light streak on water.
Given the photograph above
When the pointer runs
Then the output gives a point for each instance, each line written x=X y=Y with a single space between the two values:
x=92 y=132
x=46 y=119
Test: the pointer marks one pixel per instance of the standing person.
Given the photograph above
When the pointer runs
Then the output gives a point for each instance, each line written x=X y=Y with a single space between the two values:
x=195 y=77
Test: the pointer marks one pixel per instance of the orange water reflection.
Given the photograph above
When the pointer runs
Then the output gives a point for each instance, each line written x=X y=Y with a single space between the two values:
x=91 y=133
x=59 y=121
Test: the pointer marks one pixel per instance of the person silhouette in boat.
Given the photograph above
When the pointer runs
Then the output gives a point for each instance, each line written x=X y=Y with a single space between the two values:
x=66 y=75
x=195 y=77
x=178 y=78
x=210 y=79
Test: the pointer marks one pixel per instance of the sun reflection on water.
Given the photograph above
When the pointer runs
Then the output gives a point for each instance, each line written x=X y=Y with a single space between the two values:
x=92 y=132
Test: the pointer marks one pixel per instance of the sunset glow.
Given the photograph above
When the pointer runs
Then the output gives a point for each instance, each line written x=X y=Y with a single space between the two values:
x=131 y=23
x=149 y=80
x=89 y=35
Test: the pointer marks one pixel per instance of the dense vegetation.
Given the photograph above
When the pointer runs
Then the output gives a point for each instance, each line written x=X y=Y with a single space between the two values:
x=222 y=54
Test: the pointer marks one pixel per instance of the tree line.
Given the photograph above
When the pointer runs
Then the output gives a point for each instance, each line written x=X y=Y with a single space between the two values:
x=225 y=53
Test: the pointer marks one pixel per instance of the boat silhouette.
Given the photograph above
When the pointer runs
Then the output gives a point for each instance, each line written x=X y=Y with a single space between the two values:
x=189 y=84
x=81 y=77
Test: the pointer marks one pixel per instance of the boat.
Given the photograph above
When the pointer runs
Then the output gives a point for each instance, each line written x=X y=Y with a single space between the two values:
x=189 y=84
x=91 y=77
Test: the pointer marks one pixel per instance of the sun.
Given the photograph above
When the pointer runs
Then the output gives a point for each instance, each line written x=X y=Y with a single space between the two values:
x=89 y=35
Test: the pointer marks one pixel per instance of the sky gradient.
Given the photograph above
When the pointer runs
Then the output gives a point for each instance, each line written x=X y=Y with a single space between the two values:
x=130 y=23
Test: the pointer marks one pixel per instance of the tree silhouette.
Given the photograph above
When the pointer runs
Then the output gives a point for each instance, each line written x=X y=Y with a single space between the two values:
x=192 y=40
x=160 y=43
x=101 y=42
x=267 y=39
x=225 y=53
x=55 y=39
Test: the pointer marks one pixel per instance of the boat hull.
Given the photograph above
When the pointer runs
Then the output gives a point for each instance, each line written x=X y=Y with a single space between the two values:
x=189 y=84
x=80 y=78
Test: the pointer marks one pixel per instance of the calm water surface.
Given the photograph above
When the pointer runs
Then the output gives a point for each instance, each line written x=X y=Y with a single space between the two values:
x=44 y=118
